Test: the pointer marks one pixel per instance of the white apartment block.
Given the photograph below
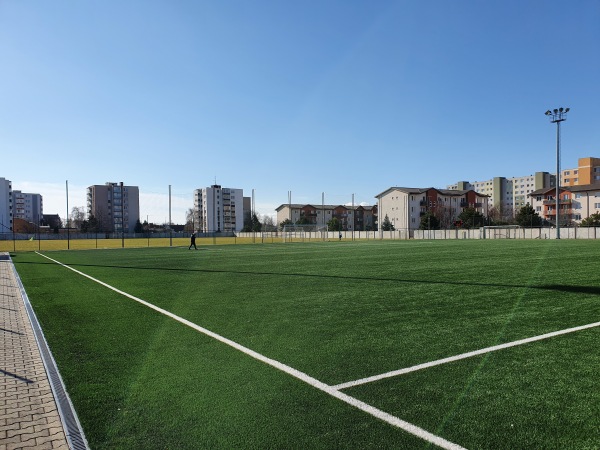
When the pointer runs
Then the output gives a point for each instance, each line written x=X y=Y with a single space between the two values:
x=218 y=209
x=508 y=195
x=405 y=206
x=115 y=206
x=28 y=207
x=6 y=206
x=523 y=186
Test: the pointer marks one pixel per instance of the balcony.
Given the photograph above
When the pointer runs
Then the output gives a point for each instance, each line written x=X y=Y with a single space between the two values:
x=553 y=202
x=564 y=212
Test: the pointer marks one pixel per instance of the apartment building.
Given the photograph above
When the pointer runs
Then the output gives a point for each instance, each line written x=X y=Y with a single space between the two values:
x=218 y=209
x=365 y=218
x=508 y=195
x=575 y=202
x=586 y=172
x=405 y=206
x=28 y=207
x=6 y=206
x=352 y=218
x=115 y=206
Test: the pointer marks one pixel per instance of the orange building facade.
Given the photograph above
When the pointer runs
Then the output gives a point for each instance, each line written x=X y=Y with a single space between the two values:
x=587 y=172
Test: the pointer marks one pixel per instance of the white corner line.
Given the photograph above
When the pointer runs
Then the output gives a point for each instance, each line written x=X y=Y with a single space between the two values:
x=333 y=391
x=450 y=359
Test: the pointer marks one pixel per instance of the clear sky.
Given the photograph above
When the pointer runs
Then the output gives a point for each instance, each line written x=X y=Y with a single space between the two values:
x=336 y=96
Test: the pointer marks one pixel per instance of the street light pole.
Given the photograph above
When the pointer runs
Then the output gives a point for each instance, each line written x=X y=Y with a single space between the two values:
x=557 y=116
x=122 y=216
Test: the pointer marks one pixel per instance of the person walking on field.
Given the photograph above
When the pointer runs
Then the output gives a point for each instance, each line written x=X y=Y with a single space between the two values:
x=193 y=242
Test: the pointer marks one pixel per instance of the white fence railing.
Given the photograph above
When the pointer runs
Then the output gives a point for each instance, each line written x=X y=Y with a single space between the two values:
x=474 y=233
x=455 y=233
x=514 y=233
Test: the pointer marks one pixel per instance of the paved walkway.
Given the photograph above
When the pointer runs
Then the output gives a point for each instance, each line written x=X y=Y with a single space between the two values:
x=29 y=416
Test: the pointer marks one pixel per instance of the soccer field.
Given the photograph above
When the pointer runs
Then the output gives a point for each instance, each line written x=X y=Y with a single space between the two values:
x=395 y=344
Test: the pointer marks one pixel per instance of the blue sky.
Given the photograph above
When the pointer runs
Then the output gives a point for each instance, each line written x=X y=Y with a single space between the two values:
x=341 y=97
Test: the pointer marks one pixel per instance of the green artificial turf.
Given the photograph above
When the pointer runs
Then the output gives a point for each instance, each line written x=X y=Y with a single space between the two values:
x=338 y=312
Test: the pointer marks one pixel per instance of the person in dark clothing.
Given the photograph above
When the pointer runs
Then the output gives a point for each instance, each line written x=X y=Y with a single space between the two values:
x=193 y=242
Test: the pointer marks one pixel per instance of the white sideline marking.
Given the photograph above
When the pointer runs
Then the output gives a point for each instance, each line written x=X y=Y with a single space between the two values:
x=382 y=415
x=462 y=356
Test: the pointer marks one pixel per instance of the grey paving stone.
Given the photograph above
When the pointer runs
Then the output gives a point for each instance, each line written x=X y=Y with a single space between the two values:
x=25 y=391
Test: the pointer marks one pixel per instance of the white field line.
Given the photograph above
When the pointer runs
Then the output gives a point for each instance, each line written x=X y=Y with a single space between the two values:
x=382 y=415
x=450 y=359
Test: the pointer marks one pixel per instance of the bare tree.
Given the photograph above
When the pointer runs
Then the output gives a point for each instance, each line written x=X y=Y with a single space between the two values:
x=77 y=217
x=445 y=216
x=501 y=213
x=103 y=222
x=190 y=221
x=508 y=214
x=268 y=223
x=495 y=214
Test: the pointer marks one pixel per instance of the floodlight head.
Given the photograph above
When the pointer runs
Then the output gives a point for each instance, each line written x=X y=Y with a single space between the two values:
x=548 y=113
x=567 y=110
x=560 y=109
x=556 y=111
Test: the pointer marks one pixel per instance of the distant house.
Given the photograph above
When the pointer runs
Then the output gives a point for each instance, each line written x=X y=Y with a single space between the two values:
x=23 y=226
x=52 y=220
x=404 y=206
x=508 y=195
x=576 y=202
x=352 y=218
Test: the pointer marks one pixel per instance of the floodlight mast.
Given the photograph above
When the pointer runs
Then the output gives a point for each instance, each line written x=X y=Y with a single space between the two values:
x=557 y=116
